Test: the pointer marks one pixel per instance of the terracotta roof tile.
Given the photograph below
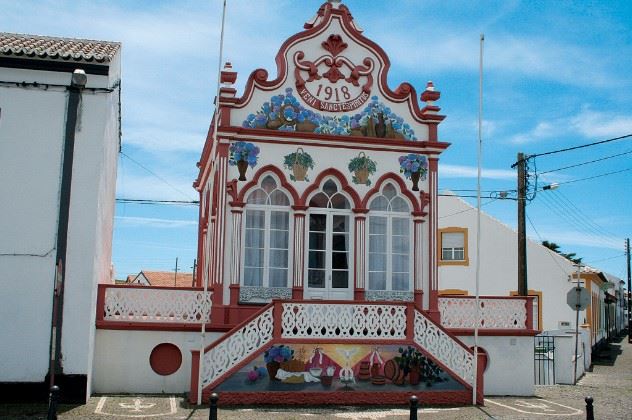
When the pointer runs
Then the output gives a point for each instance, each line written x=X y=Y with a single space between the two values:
x=36 y=46
x=166 y=278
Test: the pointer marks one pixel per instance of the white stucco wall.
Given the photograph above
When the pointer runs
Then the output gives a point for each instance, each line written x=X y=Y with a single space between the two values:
x=121 y=361
x=32 y=129
x=547 y=272
x=510 y=364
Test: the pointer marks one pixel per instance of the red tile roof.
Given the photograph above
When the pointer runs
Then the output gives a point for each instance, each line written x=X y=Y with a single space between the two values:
x=36 y=46
x=166 y=278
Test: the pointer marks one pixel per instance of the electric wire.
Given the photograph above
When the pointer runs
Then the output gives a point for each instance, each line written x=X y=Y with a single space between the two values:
x=587 y=219
x=567 y=149
x=155 y=175
x=594 y=177
x=586 y=163
x=158 y=202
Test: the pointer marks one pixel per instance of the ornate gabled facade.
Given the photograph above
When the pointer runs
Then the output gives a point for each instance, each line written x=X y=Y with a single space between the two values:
x=326 y=208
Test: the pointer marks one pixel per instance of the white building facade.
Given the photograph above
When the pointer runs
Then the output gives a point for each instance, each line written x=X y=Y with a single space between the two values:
x=56 y=223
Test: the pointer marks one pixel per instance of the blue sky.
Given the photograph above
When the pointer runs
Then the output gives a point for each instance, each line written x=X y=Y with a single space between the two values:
x=557 y=74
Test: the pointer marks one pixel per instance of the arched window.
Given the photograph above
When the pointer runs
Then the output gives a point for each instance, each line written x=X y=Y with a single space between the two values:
x=389 y=262
x=329 y=242
x=266 y=236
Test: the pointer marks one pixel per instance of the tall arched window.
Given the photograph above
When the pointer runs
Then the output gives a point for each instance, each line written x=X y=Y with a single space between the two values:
x=389 y=262
x=266 y=236
x=329 y=243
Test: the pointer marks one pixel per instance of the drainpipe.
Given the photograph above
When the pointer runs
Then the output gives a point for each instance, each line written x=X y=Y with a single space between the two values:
x=78 y=82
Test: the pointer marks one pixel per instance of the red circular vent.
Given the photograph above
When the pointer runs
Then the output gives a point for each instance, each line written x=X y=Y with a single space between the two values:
x=165 y=359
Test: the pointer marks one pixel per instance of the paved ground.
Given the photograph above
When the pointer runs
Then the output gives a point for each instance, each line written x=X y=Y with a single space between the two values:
x=610 y=384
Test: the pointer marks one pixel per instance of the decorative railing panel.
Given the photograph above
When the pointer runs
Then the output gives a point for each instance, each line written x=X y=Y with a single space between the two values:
x=338 y=320
x=444 y=348
x=238 y=346
x=503 y=313
x=150 y=304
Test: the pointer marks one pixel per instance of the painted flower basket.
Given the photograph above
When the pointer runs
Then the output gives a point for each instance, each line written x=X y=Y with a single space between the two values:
x=274 y=357
x=414 y=167
x=298 y=162
x=242 y=155
x=362 y=166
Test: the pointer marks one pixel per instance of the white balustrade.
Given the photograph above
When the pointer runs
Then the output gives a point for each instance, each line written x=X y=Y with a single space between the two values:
x=147 y=304
x=444 y=348
x=355 y=321
x=459 y=312
x=238 y=346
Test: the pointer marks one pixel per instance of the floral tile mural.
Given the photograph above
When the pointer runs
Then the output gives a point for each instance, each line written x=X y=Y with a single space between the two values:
x=284 y=112
x=340 y=367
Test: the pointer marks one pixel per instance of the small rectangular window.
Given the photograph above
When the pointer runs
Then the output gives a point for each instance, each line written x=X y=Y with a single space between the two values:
x=453 y=246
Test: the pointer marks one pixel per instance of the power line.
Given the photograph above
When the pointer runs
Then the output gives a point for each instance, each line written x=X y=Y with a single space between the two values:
x=593 y=177
x=567 y=149
x=156 y=175
x=550 y=251
x=158 y=202
x=588 y=219
x=586 y=163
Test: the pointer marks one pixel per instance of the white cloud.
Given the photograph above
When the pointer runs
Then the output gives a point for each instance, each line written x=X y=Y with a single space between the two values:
x=134 y=186
x=542 y=130
x=462 y=171
x=155 y=222
x=595 y=124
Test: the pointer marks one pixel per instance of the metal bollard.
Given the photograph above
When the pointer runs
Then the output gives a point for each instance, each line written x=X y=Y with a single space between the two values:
x=212 y=414
x=590 y=415
x=413 y=407
x=53 y=399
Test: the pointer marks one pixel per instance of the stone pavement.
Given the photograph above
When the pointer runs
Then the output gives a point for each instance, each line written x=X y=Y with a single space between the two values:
x=610 y=384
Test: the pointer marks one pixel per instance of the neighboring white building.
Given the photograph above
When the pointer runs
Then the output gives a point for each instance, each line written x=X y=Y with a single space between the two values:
x=549 y=274
x=45 y=209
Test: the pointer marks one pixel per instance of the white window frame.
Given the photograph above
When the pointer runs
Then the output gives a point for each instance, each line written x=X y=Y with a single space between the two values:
x=268 y=209
x=390 y=215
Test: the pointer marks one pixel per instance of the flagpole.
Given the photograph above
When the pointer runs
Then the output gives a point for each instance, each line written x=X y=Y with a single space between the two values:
x=210 y=203
x=478 y=218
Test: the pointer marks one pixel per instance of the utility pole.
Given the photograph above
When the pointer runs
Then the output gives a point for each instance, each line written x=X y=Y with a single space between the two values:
x=523 y=290
x=194 y=270
x=175 y=275
x=627 y=251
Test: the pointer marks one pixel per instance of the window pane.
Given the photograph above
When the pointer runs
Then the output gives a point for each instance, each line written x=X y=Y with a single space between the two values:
x=399 y=205
x=377 y=280
x=400 y=226
x=400 y=281
x=277 y=198
x=255 y=238
x=377 y=262
x=268 y=184
x=317 y=222
x=340 y=224
x=279 y=220
x=255 y=219
x=446 y=254
x=316 y=240
x=319 y=200
x=277 y=277
x=339 y=260
x=389 y=191
x=257 y=197
x=278 y=258
x=340 y=242
x=316 y=259
x=452 y=240
x=253 y=276
x=400 y=263
x=330 y=187
x=340 y=279
x=379 y=204
x=316 y=278
x=254 y=257
x=377 y=243
x=401 y=244
x=377 y=224
x=279 y=239
x=339 y=201
x=459 y=254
